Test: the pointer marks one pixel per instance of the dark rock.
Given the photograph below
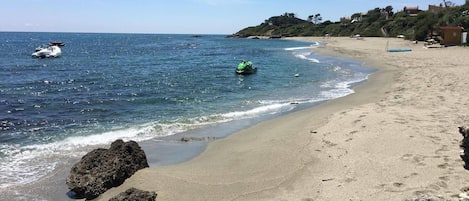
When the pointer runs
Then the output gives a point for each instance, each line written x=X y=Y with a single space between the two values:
x=464 y=131
x=275 y=37
x=102 y=169
x=134 y=195
x=237 y=35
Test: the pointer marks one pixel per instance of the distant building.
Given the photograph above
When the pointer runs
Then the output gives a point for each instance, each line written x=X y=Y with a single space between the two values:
x=451 y=35
x=412 y=11
x=435 y=9
x=345 y=19
x=358 y=17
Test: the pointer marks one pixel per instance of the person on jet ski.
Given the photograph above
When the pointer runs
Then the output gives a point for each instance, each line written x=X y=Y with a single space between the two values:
x=245 y=65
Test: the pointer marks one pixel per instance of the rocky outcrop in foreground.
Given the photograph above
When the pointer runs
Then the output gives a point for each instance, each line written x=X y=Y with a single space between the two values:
x=134 y=195
x=464 y=131
x=102 y=169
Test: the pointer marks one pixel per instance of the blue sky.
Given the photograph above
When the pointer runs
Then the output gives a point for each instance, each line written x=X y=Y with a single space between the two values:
x=174 y=16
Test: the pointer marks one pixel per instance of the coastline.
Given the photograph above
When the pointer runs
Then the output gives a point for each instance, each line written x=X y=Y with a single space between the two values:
x=252 y=164
x=395 y=138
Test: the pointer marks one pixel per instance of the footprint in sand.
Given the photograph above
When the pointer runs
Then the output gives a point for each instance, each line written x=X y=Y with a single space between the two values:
x=434 y=187
x=443 y=148
x=443 y=166
x=398 y=184
x=394 y=187
x=353 y=132
x=444 y=178
x=415 y=159
x=406 y=157
x=438 y=185
x=411 y=175
x=401 y=121
x=442 y=184
x=465 y=189
x=435 y=139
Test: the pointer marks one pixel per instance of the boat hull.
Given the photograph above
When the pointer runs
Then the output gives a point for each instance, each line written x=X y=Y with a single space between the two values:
x=246 y=71
x=51 y=51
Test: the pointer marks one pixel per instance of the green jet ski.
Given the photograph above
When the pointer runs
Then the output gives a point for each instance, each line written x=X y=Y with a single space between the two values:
x=245 y=68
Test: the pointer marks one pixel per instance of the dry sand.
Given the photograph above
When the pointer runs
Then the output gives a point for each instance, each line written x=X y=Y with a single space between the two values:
x=395 y=138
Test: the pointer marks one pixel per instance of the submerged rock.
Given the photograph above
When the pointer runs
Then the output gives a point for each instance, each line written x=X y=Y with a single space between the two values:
x=102 y=169
x=134 y=195
x=189 y=139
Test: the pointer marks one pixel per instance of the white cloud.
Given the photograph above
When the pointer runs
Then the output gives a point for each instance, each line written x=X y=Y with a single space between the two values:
x=31 y=25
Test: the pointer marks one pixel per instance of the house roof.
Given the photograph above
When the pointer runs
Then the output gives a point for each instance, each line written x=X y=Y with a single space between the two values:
x=451 y=28
x=411 y=7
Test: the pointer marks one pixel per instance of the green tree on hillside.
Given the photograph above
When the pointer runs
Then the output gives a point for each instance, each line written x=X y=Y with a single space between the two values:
x=316 y=18
x=389 y=9
x=375 y=22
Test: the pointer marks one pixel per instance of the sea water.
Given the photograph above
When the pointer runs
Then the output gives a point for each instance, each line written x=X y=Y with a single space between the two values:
x=146 y=87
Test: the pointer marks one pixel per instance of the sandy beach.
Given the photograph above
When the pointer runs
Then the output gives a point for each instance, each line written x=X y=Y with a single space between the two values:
x=395 y=138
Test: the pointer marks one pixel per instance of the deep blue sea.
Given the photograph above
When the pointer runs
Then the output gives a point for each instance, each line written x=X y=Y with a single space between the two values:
x=144 y=87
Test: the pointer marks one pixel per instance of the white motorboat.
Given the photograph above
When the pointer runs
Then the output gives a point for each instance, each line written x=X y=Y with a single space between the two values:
x=46 y=52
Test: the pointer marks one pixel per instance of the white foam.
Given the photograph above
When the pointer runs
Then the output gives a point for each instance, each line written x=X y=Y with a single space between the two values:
x=339 y=89
x=298 y=48
x=305 y=57
x=269 y=108
x=304 y=54
x=313 y=45
x=25 y=164
x=336 y=93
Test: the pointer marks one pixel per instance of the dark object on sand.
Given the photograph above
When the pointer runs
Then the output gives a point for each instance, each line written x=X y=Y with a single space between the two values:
x=134 y=195
x=465 y=145
x=102 y=169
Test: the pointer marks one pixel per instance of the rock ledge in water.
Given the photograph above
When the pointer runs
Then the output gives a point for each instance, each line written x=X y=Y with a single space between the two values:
x=134 y=195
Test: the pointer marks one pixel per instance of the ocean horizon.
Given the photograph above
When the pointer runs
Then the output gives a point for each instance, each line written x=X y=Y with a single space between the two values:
x=147 y=88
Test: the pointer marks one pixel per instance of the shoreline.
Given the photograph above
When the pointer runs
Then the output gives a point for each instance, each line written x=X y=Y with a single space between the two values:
x=169 y=151
x=390 y=140
x=394 y=138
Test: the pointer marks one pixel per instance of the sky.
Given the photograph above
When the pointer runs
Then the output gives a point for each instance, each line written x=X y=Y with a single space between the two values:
x=175 y=16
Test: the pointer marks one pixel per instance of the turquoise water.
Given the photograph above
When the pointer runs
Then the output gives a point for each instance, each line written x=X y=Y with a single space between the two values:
x=144 y=87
